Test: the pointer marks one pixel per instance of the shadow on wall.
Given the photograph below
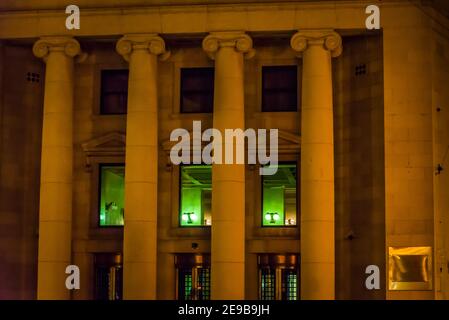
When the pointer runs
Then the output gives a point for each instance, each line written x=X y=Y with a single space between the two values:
x=359 y=166
x=21 y=85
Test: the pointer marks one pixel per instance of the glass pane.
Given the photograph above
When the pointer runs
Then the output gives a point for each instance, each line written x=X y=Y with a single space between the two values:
x=112 y=197
x=185 y=288
x=279 y=197
x=273 y=205
x=196 y=188
x=289 y=284
x=197 y=102
x=280 y=88
x=267 y=284
x=108 y=276
x=279 y=77
x=277 y=101
x=114 y=103
x=114 y=80
x=203 y=286
x=194 y=79
x=197 y=90
x=114 y=89
x=102 y=283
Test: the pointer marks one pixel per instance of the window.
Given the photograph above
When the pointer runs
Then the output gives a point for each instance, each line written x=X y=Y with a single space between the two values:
x=193 y=276
x=289 y=284
x=196 y=194
x=278 y=277
x=197 y=90
x=279 y=88
x=108 y=276
x=114 y=91
x=112 y=195
x=279 y=197
x=267 y=283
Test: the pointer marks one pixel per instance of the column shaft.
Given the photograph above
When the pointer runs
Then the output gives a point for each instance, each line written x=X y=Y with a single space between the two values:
x=317 y=165
x=228 y=180
x=55 y=214
x=140 y=229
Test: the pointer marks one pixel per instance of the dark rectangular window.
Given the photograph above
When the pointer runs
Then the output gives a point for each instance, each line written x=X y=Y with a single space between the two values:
x=279 y=197
x=197 y=90
x=114 y=91
x=112 y=195
x=279 y=88
x=195 y=195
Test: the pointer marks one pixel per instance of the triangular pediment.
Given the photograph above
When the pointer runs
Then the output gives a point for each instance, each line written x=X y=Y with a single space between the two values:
x=114 y=141
x=104 y=148
x=289 y=142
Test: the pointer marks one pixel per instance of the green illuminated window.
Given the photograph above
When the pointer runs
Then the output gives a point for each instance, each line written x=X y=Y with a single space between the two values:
x=279 y=197
x=196 y=191
x=112 y=195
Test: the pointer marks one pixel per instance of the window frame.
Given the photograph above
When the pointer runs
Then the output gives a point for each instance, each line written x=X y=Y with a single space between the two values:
x=261 y=213
x=98 y=205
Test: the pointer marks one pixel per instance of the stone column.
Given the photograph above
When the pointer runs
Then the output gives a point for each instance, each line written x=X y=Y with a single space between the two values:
x=55 y=215
x=317 y=47
x=140 y=230
x=228 y=180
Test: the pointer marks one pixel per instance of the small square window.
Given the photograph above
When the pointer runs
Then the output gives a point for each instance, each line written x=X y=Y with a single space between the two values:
x=197 y=90
x=279 y=88
x=114 y=91
x=196 y=195
x=279 y=197
x=112 y=195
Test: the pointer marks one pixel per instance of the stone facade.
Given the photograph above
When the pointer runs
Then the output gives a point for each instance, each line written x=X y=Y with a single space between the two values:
x=385 y=92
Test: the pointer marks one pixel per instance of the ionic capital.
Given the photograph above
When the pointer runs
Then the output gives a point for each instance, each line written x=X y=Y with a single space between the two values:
x=151 y=42
x=240 y=41
x=329 y=39
x=46 y=45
